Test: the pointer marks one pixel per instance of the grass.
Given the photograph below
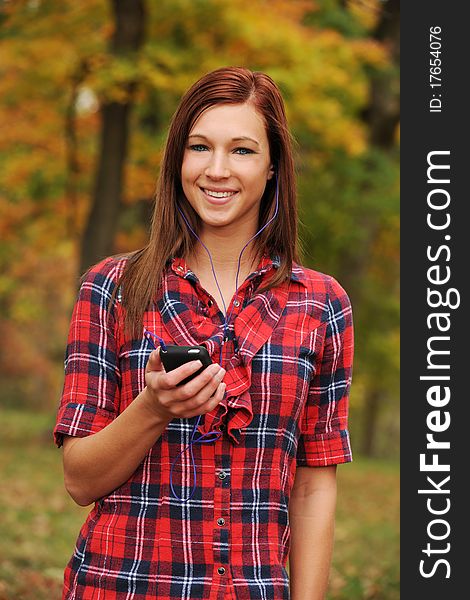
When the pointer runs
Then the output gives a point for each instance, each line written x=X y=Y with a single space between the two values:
x=39 y=522
x=367 y=546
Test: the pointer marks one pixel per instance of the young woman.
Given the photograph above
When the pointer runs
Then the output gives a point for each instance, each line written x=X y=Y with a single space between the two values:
x=205 y=489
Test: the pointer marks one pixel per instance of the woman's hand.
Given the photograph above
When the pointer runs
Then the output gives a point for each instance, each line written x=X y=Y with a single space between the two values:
x=99 y=463
x=196 y=397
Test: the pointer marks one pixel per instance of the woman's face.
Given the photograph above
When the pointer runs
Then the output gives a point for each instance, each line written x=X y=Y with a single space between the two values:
x=226 y=165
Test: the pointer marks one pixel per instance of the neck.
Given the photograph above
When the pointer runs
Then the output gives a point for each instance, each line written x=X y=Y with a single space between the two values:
x=225 y=255
x=224 y=260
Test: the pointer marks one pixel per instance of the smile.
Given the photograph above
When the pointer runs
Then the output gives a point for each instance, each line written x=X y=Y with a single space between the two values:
x=218 y=197
x=215 y=194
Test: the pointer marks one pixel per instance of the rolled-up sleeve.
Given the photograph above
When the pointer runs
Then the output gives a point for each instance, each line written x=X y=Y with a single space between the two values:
x=324 y=438
x=90 y=396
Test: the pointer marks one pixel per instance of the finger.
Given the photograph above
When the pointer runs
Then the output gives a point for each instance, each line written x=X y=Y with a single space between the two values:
x=174 y=377
x=212 y=397
x=154 y=362
x=202 y=386
x=217 y=397
x=210 y=404
x=206 y=395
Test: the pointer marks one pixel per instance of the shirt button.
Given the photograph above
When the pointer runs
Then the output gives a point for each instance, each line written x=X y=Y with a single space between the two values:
x=210 y=303
x=222 y=427
x=220 y=522
x=236 y=303
x=221 y=570
x=222 y=475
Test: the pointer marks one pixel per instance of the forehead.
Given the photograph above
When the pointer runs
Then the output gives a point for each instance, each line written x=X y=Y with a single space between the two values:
x=231 y=120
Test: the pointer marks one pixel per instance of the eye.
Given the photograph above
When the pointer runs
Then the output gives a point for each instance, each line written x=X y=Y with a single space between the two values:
x=243 y=151
x=198 y=147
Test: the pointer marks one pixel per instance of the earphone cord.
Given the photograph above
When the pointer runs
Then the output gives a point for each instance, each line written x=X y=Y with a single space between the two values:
x=217 y=434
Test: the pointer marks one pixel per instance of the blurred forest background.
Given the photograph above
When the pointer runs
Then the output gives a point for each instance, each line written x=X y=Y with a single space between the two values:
x=86 y=93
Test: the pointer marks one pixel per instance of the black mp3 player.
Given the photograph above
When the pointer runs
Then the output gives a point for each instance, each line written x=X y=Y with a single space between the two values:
x=175 y=356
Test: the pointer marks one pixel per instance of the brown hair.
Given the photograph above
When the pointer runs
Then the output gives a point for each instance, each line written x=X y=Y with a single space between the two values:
x=169 y=235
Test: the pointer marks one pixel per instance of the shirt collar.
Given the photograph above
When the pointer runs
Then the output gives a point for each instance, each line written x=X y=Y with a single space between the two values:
x=179 y=267
x=298 y=274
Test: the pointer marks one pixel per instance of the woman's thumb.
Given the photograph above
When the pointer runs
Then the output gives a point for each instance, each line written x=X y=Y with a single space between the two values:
x=154 y=362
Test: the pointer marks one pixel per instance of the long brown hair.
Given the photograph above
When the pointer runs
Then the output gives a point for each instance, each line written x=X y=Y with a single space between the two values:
x=169 y=235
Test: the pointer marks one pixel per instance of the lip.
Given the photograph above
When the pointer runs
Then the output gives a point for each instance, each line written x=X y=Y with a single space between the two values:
x=219 y=201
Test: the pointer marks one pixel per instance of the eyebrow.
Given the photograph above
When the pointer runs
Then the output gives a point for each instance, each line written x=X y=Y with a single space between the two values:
x=240 y=138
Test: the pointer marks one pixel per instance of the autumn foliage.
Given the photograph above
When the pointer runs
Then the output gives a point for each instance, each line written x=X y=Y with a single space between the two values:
x=59 y=69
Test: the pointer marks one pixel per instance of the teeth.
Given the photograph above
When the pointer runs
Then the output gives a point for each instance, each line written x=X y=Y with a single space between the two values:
x=219 y=194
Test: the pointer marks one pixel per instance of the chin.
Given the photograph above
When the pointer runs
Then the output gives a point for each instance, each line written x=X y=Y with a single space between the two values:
x=212 y=220
x=217 y=222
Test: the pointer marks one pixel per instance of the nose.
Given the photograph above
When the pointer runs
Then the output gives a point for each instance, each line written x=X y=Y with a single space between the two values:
x=217 y=167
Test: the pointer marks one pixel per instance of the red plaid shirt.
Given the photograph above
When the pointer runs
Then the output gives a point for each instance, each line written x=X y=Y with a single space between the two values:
x=288 y=359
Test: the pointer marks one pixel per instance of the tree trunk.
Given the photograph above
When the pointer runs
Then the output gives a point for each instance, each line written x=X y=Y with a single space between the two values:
x=383 y=112
x=99 y=234
x=370 y=416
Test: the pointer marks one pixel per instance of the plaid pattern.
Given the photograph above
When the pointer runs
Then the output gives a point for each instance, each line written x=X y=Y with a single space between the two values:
x=288 y=359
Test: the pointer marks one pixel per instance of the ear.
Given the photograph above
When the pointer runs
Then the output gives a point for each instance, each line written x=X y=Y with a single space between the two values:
x=271 y=172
